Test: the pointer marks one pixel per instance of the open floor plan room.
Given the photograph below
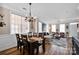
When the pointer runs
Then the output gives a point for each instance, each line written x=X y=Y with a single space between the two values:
x=39 y=28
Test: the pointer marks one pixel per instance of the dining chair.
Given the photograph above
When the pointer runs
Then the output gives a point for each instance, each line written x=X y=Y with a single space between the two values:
x=28 y=45
x=25 y=43
x=19 y=42
x=34 y=46
x=35 y=35
x=43 y=41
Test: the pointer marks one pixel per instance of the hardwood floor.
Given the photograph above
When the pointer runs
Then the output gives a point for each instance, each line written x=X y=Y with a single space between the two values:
x=51 y=49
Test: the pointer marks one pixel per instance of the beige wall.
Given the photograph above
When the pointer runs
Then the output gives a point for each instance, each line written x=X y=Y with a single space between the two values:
x=50 y=28
x=7 y=41
x=6 y=13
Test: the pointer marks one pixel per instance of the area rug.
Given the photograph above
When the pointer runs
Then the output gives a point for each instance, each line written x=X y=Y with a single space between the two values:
x=62 y=42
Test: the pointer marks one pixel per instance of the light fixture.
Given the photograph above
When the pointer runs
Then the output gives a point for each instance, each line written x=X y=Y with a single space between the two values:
x=30 y=18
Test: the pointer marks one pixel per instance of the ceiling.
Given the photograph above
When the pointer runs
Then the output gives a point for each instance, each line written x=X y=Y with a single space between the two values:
x=51 y=13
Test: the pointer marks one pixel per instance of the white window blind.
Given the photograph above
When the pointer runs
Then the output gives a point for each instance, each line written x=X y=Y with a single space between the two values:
x=53 y=28
x=62 y=27
x=18 y=24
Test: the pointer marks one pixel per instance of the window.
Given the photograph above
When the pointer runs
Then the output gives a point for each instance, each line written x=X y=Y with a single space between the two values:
x=40 y=27
x=72 y=23
x=47 y=28
x=18 y=24
x=53 y=28
x=25 y=26
x=62 y=27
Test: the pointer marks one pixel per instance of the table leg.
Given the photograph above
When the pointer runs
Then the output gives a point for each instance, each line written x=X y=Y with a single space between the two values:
x=37 y=50
x=43 y=46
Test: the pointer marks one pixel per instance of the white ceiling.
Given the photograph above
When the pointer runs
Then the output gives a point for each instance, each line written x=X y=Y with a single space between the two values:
x=48 y=12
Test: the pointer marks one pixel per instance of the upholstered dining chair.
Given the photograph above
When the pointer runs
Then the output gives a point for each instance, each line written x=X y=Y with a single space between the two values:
x=34 y=46
x=25 y=43
x=19 y=42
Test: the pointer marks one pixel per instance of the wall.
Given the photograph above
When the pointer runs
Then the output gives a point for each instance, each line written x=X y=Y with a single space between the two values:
x=67 y=27
x=7 y=41
x=6 y=13
x=73 y=30
x=47 y=28
x=43 y=27
x=50 y=28
x=57 y=27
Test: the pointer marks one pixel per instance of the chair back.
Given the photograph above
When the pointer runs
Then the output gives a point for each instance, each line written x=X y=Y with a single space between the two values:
x=35 y=35
x=24 y=37
x=17 y=37
x=41 y=35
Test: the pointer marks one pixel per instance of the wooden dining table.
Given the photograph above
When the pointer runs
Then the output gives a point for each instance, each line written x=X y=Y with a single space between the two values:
x=33 y=39
x=48 y=36
x=37 y=39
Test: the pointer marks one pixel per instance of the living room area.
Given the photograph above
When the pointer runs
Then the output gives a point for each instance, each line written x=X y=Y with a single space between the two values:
x=39 y=29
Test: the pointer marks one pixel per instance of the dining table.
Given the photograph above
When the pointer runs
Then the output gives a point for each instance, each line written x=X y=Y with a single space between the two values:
x=48 y=37
x=33 y=39
x=39 y=40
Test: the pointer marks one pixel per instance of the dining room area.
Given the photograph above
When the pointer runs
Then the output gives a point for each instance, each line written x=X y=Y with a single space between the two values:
x=41 y=44
x=39 y=29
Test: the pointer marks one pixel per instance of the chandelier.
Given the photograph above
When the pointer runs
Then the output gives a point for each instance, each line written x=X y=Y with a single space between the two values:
x=30 y=18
